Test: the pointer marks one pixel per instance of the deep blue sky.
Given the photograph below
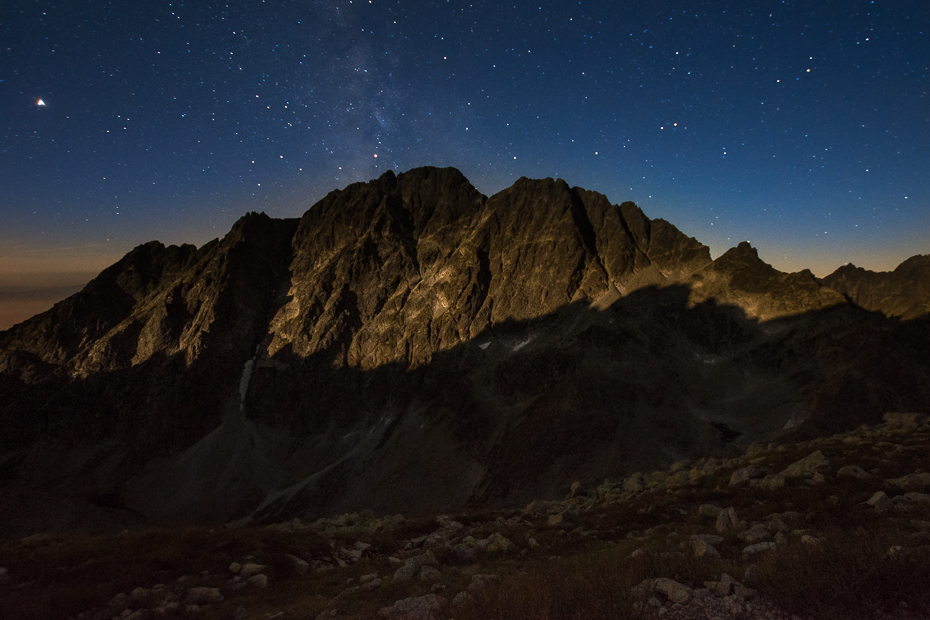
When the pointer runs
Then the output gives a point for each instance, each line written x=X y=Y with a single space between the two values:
x=803 y=127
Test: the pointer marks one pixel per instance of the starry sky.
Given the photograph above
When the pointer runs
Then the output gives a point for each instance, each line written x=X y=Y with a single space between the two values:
x=802 y=127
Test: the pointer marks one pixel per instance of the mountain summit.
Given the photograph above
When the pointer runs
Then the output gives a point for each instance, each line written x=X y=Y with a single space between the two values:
x=410 y=344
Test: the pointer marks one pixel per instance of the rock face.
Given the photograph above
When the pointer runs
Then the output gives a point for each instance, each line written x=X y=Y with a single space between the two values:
x=412 y=345
x=904 y=292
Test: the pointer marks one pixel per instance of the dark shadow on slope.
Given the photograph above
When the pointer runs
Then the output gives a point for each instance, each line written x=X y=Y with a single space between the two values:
x=518 y=412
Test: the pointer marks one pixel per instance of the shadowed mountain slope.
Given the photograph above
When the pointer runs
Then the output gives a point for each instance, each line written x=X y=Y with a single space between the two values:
x=412 y=345
x=904 y=292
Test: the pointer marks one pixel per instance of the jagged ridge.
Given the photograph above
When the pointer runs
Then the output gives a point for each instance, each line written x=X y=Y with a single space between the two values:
x=412 y=344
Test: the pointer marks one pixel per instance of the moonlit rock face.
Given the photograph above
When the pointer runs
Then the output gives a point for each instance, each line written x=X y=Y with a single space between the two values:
x=354 y=338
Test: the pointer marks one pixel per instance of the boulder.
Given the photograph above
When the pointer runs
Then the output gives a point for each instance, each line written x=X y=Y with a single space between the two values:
x=911 y=482
x=709 y=510
x=428 y=607
x=879 y=501
x=251 y=569
x=203 y=596
x=564 y=519
x=576 y=491
x=727 y=520
x=769 y=483
x=712 y=539
x=297 y=566
x=481 y=581
x=756 y=533
x=461 y=599
x=853 y=471
x=896 y=420
x=258 y=581
x=807 y=467
x=635 y=483
x=465 y=552
x=413 y=565
x=758 y=547
x=704 y=549
x=674 y=591
x=498 y=542
x=745 y=474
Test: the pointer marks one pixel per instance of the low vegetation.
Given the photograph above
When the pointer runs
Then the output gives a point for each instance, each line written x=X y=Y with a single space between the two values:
x=832 y=528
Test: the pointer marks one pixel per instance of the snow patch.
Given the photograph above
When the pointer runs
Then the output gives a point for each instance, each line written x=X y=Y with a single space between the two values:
x=484 y=346
x=244 y=381
x=522 y=344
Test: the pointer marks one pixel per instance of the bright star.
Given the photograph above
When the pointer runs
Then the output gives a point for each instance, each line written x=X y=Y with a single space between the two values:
x=40 y=103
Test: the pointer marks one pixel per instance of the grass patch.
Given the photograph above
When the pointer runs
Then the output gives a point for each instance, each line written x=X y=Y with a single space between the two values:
x=849 y=575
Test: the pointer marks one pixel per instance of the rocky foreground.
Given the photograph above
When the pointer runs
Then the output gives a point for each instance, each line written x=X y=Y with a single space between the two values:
x=837 y=527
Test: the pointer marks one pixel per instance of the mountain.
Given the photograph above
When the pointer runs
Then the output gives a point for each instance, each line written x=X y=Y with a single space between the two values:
x=904 y=292
x=412 y=345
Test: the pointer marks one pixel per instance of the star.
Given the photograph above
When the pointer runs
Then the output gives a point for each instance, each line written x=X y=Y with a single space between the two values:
x=40 y=103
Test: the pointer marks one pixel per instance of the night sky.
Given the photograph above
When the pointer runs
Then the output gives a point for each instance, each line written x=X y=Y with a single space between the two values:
x=803 y=127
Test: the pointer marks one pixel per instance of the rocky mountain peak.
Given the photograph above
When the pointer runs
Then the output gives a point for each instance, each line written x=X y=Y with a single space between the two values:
x=904 y=292
x=410 y=343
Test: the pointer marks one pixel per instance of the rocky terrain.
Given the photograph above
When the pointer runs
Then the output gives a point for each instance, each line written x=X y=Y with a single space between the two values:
x=410 y=345
x=837 y=527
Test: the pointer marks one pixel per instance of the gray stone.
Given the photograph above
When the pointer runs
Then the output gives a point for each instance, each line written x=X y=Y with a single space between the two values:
x=674 y=591
x=635 y=483
x=704 y=549
x=908 y=501
x=297 y=566
x=577 y=491
x=428 y=607
x=465 y=552
x=251 y=569
x=769 y=483
x=727 y=520
x=430 y=574
x=879 y=501
x=481 y=581
x=119 y=601
x=911 y=482
x=564 y=519
x=853 y=471
x=412 y=566
x=258 y=581
x=758 y=547
x=744 y=475
x=712 y=539
x=756 y=533
x=709 y=510
x=203 y=596
x=807 y=467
